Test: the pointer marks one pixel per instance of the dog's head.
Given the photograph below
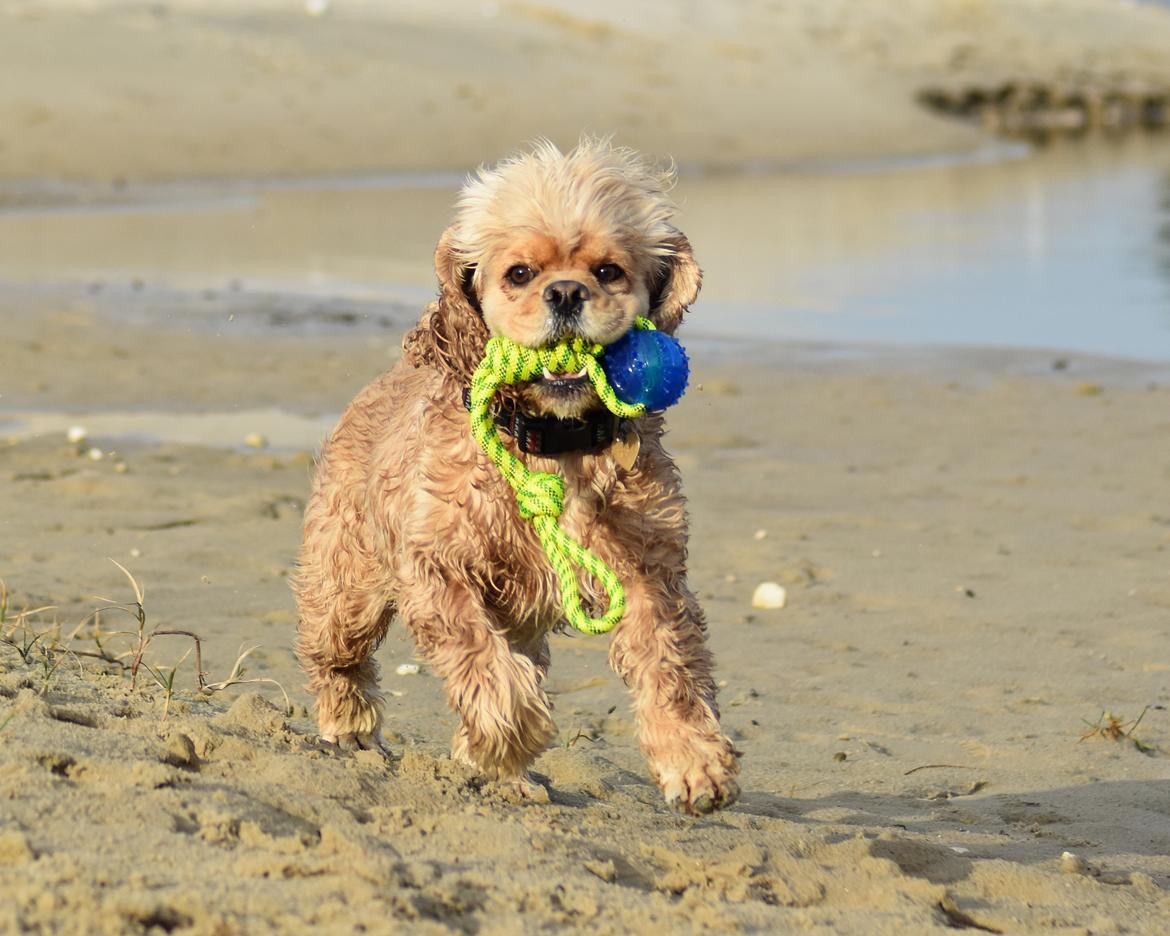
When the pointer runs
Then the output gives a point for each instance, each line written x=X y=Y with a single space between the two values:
x=549 y=245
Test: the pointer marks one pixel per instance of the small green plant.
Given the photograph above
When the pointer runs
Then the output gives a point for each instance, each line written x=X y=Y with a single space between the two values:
x=46 y=648
x=1113 y=728
x=10 y=625
x=50 y=660
x=142 y=636
x=165 y=677
x=238 y=676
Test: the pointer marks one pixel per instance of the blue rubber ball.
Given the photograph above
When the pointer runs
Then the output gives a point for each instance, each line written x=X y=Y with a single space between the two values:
x=647 y=367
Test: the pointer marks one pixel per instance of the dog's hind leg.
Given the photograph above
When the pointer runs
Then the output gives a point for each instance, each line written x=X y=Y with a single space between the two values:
x=345 y=608
x=505 y=715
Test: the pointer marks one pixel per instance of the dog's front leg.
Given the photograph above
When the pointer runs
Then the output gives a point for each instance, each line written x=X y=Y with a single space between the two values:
x=660 y=651
x=505 y=715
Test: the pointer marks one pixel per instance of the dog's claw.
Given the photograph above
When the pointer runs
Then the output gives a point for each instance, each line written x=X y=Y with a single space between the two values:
x=708 y=801
x=704 y=787
x=526 y=789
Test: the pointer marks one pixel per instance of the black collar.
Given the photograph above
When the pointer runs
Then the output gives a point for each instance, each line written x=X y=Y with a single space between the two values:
x=551 y=435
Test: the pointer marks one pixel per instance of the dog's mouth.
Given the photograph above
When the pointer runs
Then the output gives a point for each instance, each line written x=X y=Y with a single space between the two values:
x=564 y=383
x=563 y=395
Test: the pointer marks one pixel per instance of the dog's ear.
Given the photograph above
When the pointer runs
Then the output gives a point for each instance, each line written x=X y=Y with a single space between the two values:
x=455 y=276
x=451 y=335
x=677 y=286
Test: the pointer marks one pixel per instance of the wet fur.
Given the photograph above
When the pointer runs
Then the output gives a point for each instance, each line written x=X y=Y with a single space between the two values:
x=408 y=517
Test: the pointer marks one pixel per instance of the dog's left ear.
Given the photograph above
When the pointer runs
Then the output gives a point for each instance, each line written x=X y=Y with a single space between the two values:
x=677 y=286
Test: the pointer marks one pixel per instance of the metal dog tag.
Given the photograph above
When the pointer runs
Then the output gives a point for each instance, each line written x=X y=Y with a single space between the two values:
x=625 y=447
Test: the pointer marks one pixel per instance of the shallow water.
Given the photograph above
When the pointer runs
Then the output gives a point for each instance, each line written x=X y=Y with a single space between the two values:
x=1065 y=249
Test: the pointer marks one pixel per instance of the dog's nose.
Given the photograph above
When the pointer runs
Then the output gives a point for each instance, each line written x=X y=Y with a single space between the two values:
x=565 y=297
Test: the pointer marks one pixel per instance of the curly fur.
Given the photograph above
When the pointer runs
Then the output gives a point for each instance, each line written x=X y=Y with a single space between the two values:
x=409 y=518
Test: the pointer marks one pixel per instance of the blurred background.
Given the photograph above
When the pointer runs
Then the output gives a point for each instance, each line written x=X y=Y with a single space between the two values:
x=953 y=172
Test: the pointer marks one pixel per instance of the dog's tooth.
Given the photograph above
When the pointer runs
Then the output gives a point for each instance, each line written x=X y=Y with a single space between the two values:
x=548 y=375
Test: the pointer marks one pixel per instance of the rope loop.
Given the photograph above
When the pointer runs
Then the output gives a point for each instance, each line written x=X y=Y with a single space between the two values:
x=540 y=495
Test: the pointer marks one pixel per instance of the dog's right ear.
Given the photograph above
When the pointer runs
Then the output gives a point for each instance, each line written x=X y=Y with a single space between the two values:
x=451 y=335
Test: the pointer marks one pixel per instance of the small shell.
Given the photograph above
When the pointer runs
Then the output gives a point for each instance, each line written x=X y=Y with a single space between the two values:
x=769 y=595
x=407 y=669
x=77 y=434
x=95 y=454
x=255 y=440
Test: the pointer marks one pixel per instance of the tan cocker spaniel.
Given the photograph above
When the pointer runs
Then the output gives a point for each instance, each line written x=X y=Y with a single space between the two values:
x=408 y=517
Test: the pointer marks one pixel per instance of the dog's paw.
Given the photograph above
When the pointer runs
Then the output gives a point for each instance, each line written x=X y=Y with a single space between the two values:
x=359 y=741
x=701 y=786
x=522 y=789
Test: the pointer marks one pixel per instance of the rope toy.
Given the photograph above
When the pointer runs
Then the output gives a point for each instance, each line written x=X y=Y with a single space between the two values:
x=540 y=495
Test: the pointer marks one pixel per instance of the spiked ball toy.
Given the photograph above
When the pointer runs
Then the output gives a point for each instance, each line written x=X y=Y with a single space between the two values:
x=648 y=367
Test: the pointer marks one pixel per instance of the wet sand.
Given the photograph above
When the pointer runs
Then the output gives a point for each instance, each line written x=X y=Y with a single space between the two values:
x=973 y=542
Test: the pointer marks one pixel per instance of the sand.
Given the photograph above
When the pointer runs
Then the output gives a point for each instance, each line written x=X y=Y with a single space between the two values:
x=120 y=90
x=974 y=546
x=975 y=558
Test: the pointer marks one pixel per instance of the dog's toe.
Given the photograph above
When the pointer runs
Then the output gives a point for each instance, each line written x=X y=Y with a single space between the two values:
x=358 y=741
x=706 y=797
x=703 y=788
x=524 y=789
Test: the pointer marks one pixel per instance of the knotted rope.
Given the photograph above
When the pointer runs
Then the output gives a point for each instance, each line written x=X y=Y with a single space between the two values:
x=540 y=495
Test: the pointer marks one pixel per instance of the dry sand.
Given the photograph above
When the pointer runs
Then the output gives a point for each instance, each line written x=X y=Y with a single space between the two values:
x=976 y=546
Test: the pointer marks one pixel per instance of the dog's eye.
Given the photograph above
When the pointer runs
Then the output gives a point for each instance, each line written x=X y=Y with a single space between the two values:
x=520 y=274
x=609 y=273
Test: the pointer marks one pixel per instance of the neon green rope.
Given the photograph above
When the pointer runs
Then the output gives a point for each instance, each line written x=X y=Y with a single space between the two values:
x=539 y=494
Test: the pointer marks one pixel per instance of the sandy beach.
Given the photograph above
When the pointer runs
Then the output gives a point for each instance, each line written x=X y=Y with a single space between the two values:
x=941 y=728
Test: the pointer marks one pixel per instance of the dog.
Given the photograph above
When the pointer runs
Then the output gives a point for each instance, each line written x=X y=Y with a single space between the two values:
x=409 y=518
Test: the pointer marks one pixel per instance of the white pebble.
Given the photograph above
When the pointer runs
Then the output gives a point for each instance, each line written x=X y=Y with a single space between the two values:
x=769 y=595
x=407 y=669
x=95 y=454
x=255 y=440
x=1072 y=864
x=135 y=552
x=760 y=534
x=316 y=7
x=77 y=434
